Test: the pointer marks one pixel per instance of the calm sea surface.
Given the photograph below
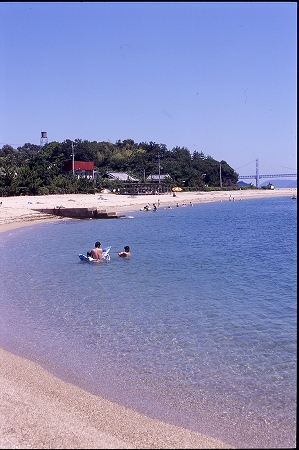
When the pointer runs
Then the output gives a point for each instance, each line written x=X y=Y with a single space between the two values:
x=198 y=328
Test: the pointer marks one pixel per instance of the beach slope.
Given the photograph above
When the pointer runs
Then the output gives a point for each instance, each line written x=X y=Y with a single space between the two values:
x=39 y=411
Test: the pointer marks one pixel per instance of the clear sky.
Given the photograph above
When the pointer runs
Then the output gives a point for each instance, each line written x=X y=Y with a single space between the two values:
x=216 y=77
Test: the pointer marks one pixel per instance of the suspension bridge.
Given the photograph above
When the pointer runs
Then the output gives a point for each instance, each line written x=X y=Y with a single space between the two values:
x=257 y=175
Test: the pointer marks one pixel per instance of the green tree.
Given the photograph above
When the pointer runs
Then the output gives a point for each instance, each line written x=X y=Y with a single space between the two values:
x=40 y=169
x=28 y=181
x=6 y=150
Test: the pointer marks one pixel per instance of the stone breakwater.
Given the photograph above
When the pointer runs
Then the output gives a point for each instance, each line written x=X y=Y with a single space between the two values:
x=81 y=213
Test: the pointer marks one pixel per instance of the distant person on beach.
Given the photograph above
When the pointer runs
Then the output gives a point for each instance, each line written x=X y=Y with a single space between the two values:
x=126 y=253
x=155 y=207
x=97 y=252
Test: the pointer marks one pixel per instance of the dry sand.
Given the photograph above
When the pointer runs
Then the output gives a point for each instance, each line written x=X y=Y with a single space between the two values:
x=38 y=410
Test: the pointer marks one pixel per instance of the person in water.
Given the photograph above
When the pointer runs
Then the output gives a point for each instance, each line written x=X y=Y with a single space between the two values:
x=126 y=253
x=97 y=252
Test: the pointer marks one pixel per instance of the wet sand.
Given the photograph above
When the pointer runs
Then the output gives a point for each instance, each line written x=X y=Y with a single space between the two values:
x=37 y=409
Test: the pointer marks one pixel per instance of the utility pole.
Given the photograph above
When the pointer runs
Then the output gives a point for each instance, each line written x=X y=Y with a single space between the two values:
x=220 y=177
x=73 y=159
x=159 y=169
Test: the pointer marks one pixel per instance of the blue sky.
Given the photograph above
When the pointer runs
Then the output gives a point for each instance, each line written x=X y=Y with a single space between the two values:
x=216 y=77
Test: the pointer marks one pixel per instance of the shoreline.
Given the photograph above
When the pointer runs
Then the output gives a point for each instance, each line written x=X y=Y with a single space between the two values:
x=16 y=212
x=38 y=410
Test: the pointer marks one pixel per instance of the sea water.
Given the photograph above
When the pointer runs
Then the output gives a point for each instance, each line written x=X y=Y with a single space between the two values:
x=197 y=328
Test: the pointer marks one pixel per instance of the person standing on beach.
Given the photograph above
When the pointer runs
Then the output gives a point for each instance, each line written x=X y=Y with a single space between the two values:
x=97 y=252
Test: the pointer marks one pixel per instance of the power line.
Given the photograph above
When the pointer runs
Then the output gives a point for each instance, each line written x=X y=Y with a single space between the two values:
x=266 y=164
x=246 y=164
x=283 y=167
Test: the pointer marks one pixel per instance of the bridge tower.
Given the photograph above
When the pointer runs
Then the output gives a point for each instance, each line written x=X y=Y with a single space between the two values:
x=257 y=175
x=43 y=139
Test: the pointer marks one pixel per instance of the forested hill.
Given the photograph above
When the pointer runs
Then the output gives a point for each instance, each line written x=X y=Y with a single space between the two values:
x=40 y=168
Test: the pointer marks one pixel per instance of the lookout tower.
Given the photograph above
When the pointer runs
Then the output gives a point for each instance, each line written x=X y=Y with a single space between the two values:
x=43 y=138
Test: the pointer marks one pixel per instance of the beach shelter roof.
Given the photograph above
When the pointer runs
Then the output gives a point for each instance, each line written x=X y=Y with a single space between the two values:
x=121 y=176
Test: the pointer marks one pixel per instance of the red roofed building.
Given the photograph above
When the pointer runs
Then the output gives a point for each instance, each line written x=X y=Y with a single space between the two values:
x=81 y=168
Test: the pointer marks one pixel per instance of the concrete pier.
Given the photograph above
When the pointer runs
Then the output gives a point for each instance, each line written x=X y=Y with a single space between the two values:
x=80 y=213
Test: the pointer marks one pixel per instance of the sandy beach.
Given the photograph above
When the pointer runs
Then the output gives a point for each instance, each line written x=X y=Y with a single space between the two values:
x=38 y=410
x=16 y=212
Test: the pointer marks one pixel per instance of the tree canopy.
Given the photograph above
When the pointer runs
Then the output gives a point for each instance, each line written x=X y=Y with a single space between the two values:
x=36 y=170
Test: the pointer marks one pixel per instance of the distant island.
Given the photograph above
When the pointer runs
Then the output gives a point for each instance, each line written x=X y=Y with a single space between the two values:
x=281 y=184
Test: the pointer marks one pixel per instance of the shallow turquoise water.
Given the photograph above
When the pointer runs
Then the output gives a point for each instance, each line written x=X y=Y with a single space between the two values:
x=198 y=328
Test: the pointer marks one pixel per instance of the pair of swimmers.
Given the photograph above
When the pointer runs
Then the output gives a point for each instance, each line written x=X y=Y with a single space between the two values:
x=96 y=252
